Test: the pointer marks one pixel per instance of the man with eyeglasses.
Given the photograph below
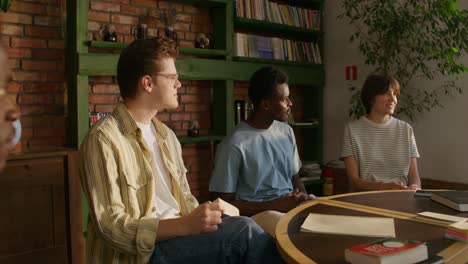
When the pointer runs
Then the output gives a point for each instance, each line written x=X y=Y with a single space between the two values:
x=8 y=113
x=131 y=167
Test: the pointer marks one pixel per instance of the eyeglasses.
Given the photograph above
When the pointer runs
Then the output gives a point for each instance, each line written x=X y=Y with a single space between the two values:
x=171 y=77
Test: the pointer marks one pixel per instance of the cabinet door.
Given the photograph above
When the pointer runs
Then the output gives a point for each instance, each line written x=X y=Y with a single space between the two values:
x=33 y=225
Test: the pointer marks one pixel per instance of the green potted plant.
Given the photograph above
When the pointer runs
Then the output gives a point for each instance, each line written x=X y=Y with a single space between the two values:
x=411 y=40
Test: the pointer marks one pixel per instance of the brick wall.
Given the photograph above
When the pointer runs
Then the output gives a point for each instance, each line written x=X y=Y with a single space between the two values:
x=31 y=33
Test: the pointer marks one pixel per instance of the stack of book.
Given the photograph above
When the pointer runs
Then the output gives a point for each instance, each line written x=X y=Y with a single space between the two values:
x=457 y=200
x=458 y=231
x=310 y=170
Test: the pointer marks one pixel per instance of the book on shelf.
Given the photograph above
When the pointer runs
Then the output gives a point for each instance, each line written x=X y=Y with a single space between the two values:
x=95 y=116
x=388 y=250
x=457 y=200
x=310 y=171
x=253 y=46
x=279 y=13
x=349 y=225
x=458 y=231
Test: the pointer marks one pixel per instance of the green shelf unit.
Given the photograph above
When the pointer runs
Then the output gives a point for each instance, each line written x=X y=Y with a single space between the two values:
x=253 y=26
x=101 y=64
x=199 y=139
x=299 y=125
x=204 y=3
x=276 y=62
x=193 y=51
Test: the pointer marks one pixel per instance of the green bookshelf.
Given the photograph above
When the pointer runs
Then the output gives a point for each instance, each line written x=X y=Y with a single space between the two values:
x=199 y=139
x=253 y=26
x=193 y=51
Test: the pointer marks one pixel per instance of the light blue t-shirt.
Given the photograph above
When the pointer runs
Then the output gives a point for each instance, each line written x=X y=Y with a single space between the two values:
x=256 y=164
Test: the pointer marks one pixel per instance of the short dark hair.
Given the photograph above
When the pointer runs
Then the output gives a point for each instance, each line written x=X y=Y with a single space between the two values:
x=141 y=58
x=263 y=83
x=377 y=84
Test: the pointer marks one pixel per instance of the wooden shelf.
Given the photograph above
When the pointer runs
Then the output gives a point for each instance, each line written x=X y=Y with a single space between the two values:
x=194 y=51
x=280 y=30
x=277 y=62
x=199 y=139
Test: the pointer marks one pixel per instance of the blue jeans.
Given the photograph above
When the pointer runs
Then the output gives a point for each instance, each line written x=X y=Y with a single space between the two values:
x=238 y=240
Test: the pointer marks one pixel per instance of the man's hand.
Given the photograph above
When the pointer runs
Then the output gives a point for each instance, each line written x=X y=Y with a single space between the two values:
x=205 y=218
x=291 y=200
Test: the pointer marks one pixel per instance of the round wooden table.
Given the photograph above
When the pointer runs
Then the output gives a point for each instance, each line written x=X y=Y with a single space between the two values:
x=304 y=247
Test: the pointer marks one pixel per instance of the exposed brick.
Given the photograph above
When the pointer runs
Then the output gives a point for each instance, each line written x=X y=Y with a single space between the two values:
x=47 y=21
x=25 y=99
x=56 y=44
x=107 y=108
x=186 y=44
x=47 y=132
x=194 y=98
x=120 y=1
x=201 y=20
x=184 y=18
x=103 y=99
x=28 y=43
x=16 y=18
x=28 y=76
x=41 y=88
x=190 y=36
x=28 y=8
x=106 y=88
x=56 y=77
x=18 y=53
x=45 y=121
x=196 y=107
x=92 y=25
x=164 y=117
x=108 y=7
x=47 y=143
x=53 y=10
x=182 y=27
x=192 y=9
x=13 y=63
x=98 y=16
x=152 y=22
x=180 y=116
x=132 y=10
x=43 y=32
x=14 y=30
x=42 y=109
x=121 y=19
x=147 y=3
x=13 y=87
x=39 y=65
x=47 y=54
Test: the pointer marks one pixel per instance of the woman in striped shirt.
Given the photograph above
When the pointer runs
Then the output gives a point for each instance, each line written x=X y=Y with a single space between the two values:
x=379 y=150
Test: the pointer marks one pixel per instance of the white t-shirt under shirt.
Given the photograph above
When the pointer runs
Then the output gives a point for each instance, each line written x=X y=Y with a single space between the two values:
x=166 y=205
x=382 y=151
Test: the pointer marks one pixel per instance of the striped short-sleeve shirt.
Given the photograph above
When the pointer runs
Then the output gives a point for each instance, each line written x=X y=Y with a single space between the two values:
x=382 y=151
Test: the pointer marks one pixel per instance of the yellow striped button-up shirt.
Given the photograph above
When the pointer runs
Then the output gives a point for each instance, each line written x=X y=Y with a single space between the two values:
x=116 y=175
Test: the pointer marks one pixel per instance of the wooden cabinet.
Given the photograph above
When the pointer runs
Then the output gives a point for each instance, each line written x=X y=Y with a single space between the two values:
x=41 y=209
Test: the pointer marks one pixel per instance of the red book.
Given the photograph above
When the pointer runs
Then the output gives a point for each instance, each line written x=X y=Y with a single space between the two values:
x=386 y=251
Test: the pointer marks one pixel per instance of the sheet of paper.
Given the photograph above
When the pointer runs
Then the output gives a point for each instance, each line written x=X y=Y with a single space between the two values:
x=349 y=225
x=229 y=209
x=443 y=216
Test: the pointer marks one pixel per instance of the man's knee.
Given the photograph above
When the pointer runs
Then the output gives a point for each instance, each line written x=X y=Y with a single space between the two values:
x=239 y=224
